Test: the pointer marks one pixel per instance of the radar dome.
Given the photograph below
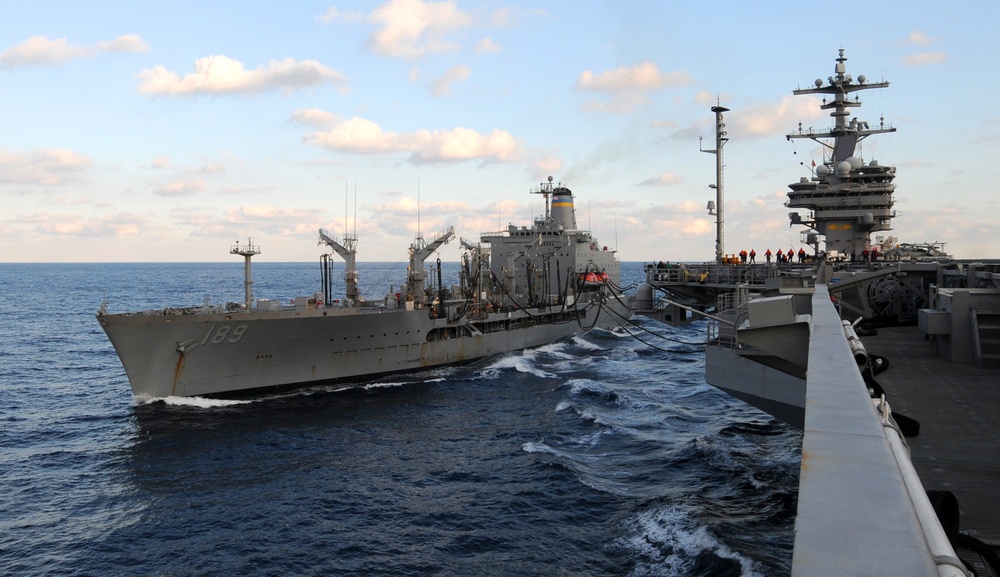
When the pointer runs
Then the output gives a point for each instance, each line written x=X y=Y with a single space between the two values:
x=844 y=169
x=819 y=82
x=867 y=218
x=856 y=162
x=862 y=79
x=822 y=170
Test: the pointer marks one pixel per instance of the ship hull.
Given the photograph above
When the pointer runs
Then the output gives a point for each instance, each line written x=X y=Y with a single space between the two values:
x=230 y=354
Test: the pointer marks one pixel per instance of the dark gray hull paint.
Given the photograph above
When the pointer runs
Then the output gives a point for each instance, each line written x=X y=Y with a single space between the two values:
x=230 y=353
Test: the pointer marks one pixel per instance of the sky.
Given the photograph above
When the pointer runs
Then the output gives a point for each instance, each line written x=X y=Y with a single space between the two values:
x=168 y=131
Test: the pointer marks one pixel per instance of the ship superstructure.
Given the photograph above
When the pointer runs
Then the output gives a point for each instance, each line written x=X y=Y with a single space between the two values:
x=548 y=262
x=848 y=198
x=531 y=286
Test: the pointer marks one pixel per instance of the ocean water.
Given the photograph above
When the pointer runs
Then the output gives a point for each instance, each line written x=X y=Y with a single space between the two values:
x=594 y=455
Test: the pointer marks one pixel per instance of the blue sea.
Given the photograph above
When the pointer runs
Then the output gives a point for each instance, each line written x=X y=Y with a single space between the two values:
x=594 y=455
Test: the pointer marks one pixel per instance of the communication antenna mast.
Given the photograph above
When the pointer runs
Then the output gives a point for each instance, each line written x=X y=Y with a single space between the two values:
x=420 y=235
x=717 y=207
x=247 y=251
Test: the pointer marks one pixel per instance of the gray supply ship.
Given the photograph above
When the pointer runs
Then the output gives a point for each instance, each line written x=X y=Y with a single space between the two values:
x=518 y=288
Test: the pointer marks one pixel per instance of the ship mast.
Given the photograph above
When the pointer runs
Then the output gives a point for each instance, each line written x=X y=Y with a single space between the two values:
x=247 y=251
x=847 y=199
x=718 y=207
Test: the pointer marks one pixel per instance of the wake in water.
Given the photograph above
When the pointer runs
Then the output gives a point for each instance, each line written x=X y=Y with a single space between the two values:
x=595 y=455
x=195 y=402
x=657 y=437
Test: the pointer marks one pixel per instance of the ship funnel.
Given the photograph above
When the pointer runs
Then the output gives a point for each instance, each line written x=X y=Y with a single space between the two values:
x=562 y=208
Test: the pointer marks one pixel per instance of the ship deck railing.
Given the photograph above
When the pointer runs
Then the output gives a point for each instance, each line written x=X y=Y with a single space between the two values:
x=715 y=274
x=720 y=330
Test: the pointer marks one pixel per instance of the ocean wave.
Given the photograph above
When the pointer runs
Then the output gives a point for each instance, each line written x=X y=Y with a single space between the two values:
x=575 y=450
x=522 y=362
x=620 y=402
x=583 y=343
x=556 y=350
x=667 y=541
x=538 y=447
x=615 y=333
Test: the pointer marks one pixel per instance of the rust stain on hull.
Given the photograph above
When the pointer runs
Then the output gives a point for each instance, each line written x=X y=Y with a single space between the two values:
x=178 y=369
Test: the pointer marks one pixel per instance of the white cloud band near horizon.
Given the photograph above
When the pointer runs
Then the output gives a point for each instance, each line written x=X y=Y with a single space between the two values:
x=43 y=51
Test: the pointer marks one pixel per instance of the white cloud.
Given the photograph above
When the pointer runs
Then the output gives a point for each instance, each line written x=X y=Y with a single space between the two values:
x=664 y=179
x=641 y=77
x=123 y=224
x=267 y=218
x=180 y=188
x=772 y=119
x=924 y=58
x=488 y=46
x=50 y=166
x=334 y=14
x=40 y=50
x=362 y=136
x=544 y=166
x=627 y=86
x=507 y=18
x=442 y=86
x=223 y=75
x=414 y=28
x=124 y=43
x=356 y=135
x=315 y=117
x=918 y=38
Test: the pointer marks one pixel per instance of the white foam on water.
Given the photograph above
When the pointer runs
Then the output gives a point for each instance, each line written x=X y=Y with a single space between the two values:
x=539 y=447
x=198 y=402
x=388 y=385
x=667 y=542
x=618 y=331
x=585 y=344
x=522 y=363
x=557 y=350
x=391 y=384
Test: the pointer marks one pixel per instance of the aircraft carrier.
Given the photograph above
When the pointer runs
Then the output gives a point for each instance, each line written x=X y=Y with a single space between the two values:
x=885 y=354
